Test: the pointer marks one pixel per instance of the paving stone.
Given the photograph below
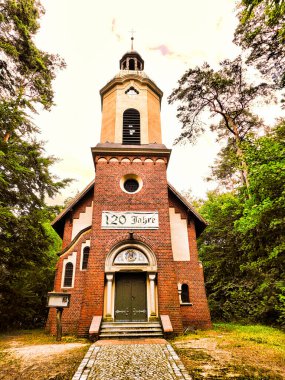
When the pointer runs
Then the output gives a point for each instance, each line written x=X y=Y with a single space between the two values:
x=119 y=361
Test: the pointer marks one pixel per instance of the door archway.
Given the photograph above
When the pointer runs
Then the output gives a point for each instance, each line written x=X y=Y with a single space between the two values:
x=130 y=289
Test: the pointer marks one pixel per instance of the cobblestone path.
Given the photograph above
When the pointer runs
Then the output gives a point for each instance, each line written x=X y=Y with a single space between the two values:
x=131 y=361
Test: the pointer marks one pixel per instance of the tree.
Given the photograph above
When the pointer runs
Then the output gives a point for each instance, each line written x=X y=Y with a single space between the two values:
x=224 y=93
x=220 y=248
x=28 y=258
x=26 y=244
x=243 y=249
x=26 y=72
x=226 y=167
x=262 y=223
x=261 y=29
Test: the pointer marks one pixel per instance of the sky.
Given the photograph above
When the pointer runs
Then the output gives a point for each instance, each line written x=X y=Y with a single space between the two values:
x=170 y=36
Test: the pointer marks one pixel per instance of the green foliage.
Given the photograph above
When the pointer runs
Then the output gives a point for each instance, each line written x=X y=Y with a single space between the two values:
x=25 y=179
x=262 y=31
x=221 y=254
x=26 y=73
x=227 y=166
x=27 y=244
x=225 y=93
x=28 y=257
x=243 y=249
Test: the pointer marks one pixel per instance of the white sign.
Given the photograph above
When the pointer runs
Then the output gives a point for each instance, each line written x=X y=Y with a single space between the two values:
x=58 y=299
x=129 y=220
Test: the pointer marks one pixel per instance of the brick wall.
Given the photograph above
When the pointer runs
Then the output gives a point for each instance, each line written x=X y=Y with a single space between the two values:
x=87 y=296
x=153 y=196
x=71 y=315
x=191 y=273
x=86 y=201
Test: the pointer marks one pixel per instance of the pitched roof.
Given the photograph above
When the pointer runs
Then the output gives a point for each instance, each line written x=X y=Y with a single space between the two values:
x=200 y=222
x=59 y=221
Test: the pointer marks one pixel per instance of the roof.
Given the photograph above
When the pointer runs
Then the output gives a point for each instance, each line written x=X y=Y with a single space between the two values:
x=127 y=75
x=59 y=221
x=200 y=222
x=132 y=53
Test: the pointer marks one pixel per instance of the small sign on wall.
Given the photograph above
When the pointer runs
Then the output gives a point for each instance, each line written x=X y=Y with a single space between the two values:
x=129 y=220
x=58 y=300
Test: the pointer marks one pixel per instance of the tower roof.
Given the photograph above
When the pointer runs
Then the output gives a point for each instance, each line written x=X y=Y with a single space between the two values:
x=132 y=60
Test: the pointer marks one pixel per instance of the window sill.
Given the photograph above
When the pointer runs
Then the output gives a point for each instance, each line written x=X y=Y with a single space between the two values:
x=186 y=304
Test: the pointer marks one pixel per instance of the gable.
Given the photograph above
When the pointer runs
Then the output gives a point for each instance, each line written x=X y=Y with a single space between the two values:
x=78 y=210
x=186 y=210
x=82 y=202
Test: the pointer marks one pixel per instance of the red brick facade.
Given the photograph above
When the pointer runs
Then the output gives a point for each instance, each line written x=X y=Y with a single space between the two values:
x=87 y=295
x=112 y=162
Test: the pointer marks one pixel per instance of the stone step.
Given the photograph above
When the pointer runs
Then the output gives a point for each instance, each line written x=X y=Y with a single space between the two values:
x=130 y=335
x=131 y=326
x=126 y=331
x=113 y=330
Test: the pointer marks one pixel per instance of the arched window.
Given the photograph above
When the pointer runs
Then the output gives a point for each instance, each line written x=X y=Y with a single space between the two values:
x=85 y=258
x=131 y=127
x=68 y=275
x=131 y=64
x=185 y=293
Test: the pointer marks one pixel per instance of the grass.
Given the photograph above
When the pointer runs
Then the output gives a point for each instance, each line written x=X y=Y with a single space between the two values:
x=38 y=363
x=228 y=351
x=234 y=351
x=37 y=336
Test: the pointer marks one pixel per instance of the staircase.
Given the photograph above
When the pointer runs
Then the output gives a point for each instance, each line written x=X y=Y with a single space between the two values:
x=134 y=330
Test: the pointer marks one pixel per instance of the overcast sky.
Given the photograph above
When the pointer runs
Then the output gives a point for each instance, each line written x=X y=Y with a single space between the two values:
x=92 y=36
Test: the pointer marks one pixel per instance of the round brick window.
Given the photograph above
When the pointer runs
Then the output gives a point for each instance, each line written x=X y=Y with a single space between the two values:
x=131 y=185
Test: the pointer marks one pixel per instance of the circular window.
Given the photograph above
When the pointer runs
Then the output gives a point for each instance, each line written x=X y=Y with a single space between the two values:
x=131 y=183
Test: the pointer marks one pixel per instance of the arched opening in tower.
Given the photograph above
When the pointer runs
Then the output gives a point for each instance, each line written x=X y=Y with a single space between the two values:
x=131 y=127
x=132 y=64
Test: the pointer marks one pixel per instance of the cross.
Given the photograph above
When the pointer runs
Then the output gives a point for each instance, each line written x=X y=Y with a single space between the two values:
x=132 y=38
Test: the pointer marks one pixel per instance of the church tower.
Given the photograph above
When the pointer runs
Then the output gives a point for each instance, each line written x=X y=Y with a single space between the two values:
x=129 y=239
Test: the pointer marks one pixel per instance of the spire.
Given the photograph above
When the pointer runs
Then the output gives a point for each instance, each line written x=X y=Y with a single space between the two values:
x=132 y=39
x=132 y=61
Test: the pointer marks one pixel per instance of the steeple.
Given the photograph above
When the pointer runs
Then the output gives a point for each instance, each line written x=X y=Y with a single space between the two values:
x=132 y=39
x=132 y=61
x=131 y=105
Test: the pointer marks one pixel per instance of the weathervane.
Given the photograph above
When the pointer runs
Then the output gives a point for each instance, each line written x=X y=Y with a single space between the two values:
x=132 y=38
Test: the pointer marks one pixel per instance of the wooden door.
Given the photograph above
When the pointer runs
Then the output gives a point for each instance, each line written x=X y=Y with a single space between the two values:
x=130 y=299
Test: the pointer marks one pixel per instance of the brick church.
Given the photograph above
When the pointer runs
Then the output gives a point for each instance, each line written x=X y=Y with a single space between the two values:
x=129 y=253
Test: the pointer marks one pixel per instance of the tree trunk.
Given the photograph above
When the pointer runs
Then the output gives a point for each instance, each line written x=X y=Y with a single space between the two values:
x=6 y=137
x=244 y=167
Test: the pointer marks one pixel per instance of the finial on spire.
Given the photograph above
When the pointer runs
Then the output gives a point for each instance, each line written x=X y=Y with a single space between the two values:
x=132 y=39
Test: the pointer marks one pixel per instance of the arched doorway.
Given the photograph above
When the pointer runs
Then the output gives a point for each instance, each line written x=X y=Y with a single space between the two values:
x=130 y=288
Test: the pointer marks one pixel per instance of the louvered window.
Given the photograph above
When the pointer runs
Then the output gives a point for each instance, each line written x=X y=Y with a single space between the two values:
x=68 y=275
x=131 y=127
x=85 y=257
